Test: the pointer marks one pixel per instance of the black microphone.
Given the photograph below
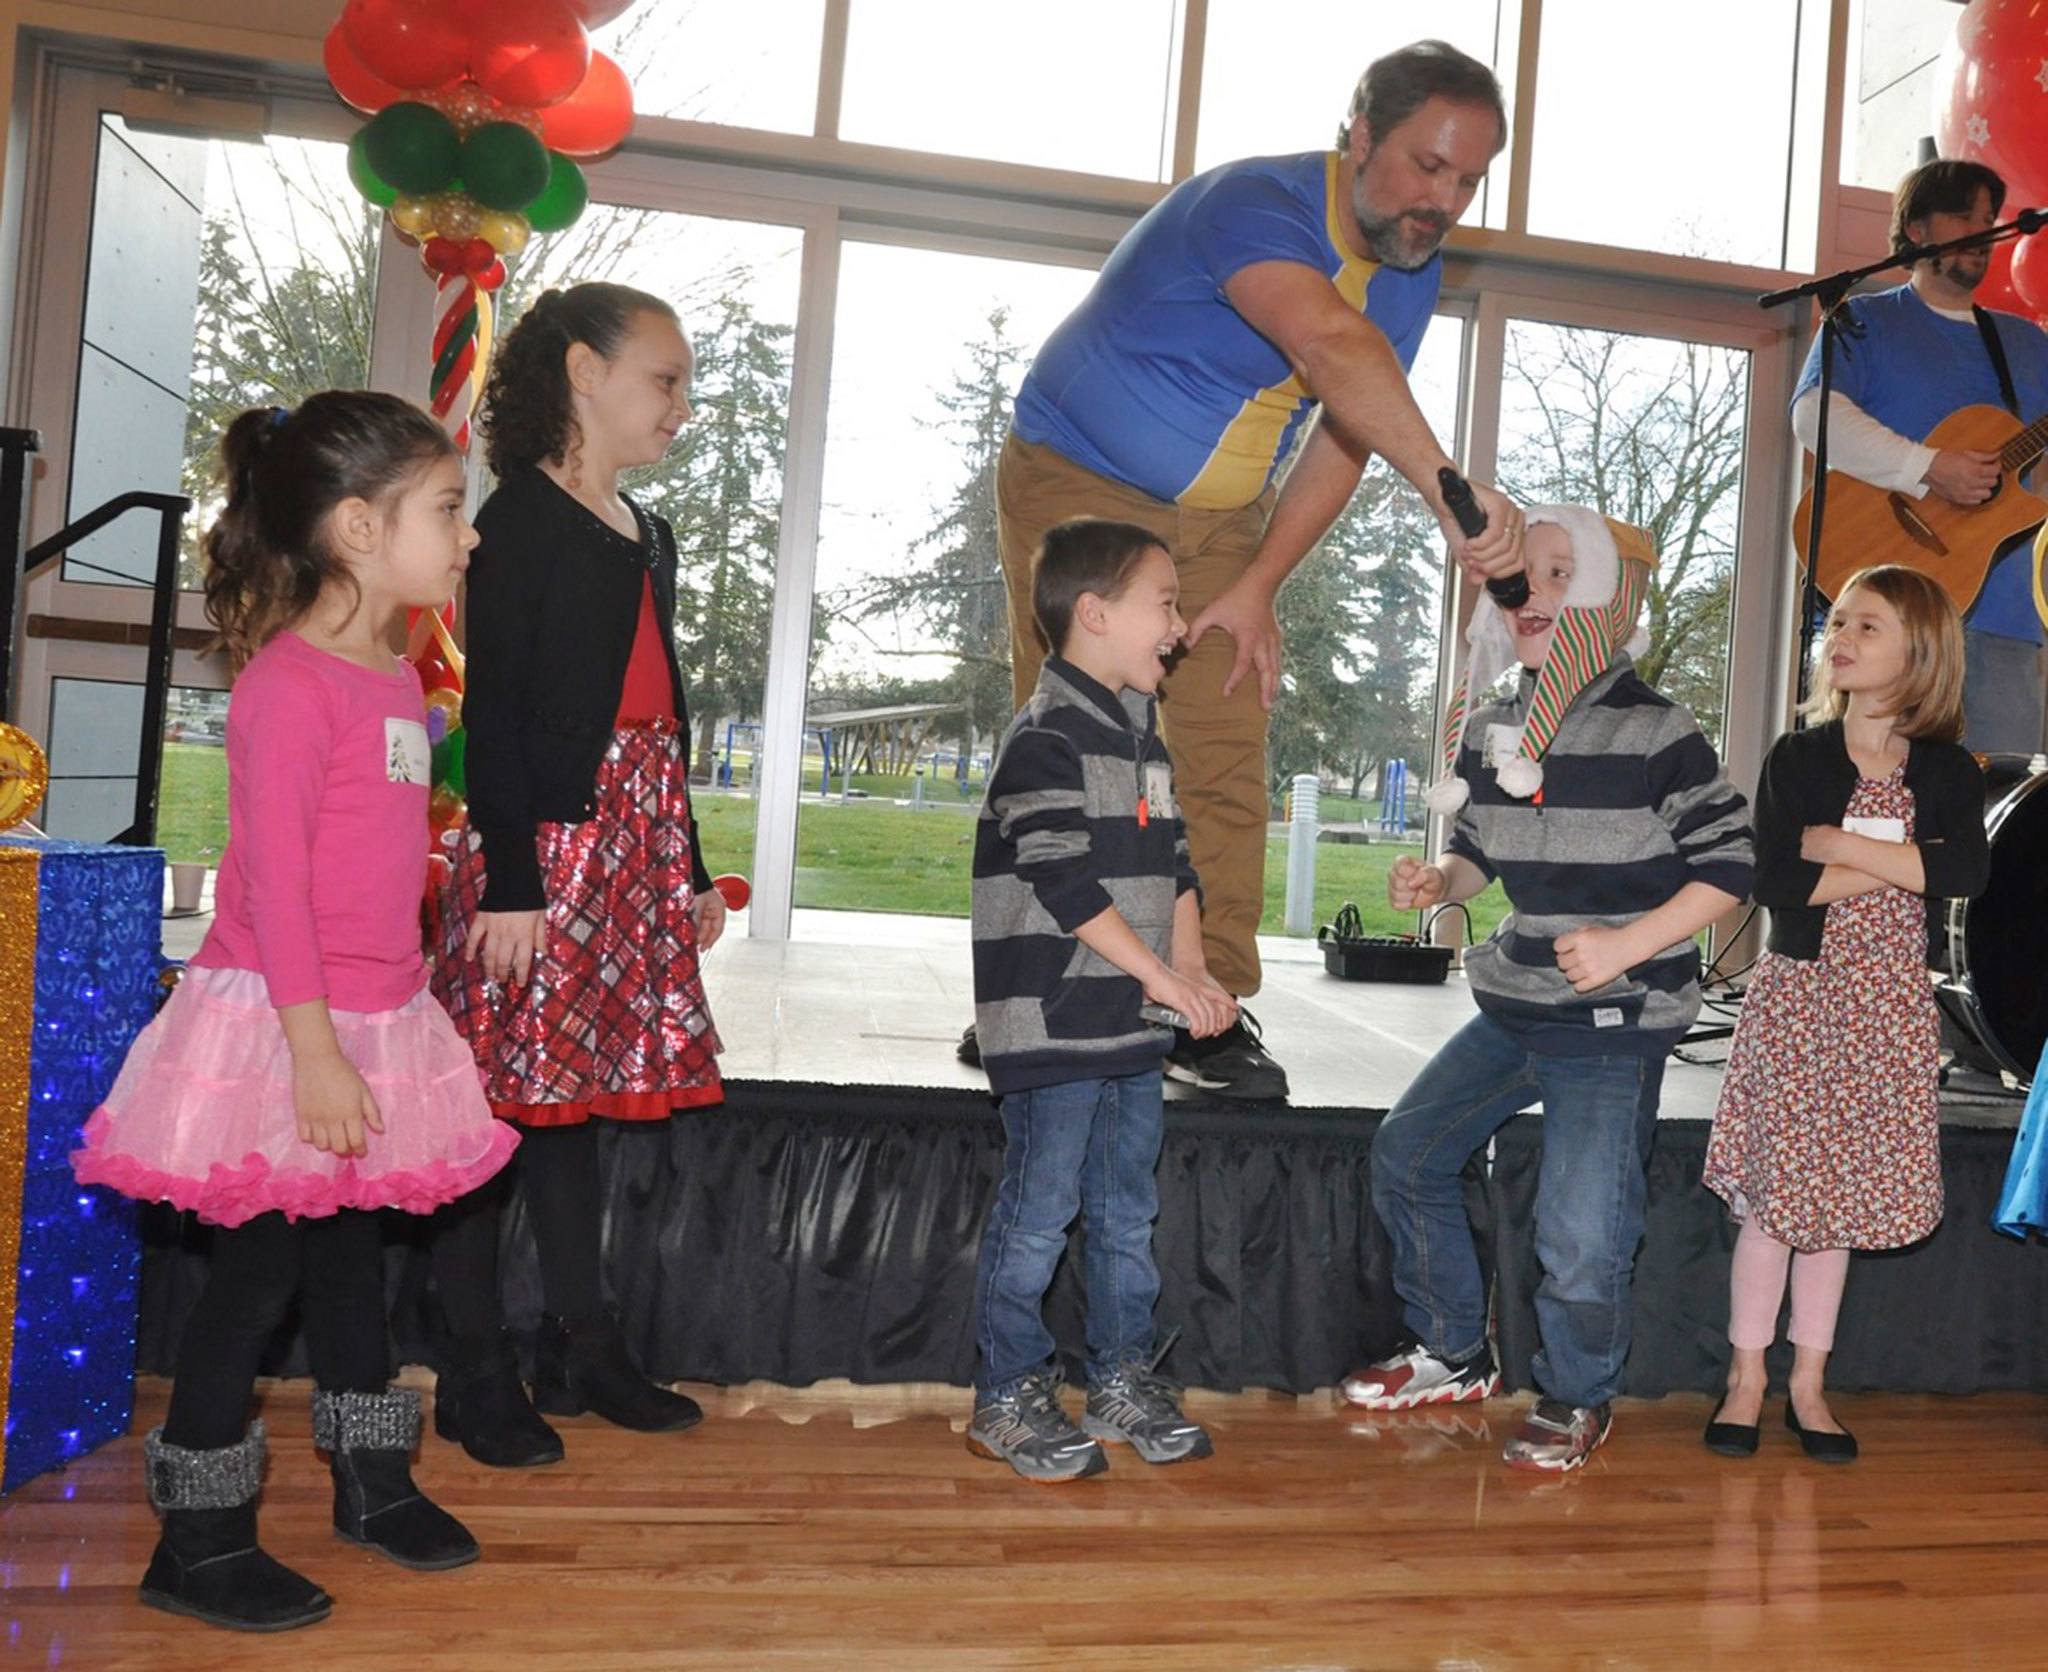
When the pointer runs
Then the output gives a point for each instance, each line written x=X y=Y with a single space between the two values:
x=1511 y=592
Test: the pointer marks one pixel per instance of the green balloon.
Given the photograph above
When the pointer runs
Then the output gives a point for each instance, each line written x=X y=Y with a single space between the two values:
x=504 y=166
x=365 y=178
x=413 y=147
x=563 y=199
x=448 y=763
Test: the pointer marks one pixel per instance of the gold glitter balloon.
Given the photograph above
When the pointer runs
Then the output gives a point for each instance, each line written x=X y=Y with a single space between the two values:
x=414 y=216
x=24 y=775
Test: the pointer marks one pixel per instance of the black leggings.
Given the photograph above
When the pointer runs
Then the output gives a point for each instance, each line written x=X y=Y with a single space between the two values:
x=337 y=1262
x=558 y=1176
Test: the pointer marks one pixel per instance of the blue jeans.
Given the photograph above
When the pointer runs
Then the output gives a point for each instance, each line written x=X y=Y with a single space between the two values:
x=1599 y=1116
x=1089 y=1147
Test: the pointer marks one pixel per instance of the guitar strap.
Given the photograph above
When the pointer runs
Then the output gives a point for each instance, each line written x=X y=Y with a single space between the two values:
x=1988 y=329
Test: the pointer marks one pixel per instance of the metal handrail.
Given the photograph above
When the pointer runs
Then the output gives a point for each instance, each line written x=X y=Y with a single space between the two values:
x=18 y=567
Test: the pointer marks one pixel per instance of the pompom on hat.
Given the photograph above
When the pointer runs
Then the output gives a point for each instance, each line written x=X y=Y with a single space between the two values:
x=1610 y=579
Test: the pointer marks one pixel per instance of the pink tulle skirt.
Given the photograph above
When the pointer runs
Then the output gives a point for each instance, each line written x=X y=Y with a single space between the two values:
x=202 y=1115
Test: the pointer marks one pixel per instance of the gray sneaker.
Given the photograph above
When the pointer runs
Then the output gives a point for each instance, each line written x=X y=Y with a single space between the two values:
x=1028 y=1430
x=1139 y=1408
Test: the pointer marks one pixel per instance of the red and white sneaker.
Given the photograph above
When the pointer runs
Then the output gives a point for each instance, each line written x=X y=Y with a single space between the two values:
x=1419 y=1377
x=1555 y=1437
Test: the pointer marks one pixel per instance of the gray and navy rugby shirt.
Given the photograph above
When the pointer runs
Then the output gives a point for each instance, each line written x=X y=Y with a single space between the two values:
x=1079 y=816
x=1633 y=807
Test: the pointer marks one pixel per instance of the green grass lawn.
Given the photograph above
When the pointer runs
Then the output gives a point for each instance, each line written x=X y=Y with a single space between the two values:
x=857 y=856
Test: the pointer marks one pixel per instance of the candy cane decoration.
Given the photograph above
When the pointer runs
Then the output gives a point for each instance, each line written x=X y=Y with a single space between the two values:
x=462 y=337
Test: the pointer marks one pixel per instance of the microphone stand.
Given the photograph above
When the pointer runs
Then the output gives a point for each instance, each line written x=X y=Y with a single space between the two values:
x=1831 y=292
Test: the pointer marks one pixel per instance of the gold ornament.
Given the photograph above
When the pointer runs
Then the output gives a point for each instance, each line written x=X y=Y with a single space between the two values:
x=414 y=216
x=505 y=231
x=24 y=775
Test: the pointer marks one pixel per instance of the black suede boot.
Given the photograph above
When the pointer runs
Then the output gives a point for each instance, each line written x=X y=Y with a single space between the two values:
x=480 y=1403
x=207 y=1564
x=583 y=1365
x=371 y=1437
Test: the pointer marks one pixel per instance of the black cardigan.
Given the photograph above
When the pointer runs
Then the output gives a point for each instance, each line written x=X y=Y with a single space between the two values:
x=1808 y=778
x=553 y=605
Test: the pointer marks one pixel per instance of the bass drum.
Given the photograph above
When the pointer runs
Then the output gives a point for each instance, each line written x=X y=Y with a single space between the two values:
x=1994 y=1000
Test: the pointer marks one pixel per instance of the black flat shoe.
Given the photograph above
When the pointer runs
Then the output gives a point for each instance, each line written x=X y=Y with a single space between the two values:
x=1730 y=1439
x=1822 y=1448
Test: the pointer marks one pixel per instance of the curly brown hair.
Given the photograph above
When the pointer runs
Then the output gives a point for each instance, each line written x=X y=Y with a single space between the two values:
x=527 y=414
x=266 y=555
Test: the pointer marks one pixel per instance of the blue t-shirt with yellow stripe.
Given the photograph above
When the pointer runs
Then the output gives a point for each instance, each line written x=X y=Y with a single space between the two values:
x=1156 y=381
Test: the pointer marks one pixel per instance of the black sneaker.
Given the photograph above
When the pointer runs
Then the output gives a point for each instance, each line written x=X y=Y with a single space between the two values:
x=1231 y=1064
x=969 y=1048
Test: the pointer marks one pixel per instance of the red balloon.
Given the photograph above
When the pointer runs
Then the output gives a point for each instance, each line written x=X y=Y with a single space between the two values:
x=355 y=85
x=492 y=276
x=409 y=43
x=1989 y=87
x=442 y=255
x=736 y=889
x=596 y=117
x=1996 y=290
x=526 y=52
x=477 y=255
x=2030 y=274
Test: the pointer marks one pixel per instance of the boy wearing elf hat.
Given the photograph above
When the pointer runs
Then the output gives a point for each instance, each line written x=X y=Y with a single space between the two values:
x=1605 y=815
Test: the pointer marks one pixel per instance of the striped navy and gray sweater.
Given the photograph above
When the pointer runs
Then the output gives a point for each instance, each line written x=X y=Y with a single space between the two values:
x=1633 y=807
x=1079 y=816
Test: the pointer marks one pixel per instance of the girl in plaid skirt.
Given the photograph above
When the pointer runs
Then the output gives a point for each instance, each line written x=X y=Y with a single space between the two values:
x=579 y=906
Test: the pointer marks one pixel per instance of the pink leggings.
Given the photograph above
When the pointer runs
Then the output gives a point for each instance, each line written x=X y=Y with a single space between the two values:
x=1757 y=1287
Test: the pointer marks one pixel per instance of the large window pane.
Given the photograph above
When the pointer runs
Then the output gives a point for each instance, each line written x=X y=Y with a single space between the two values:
x=1357 y=706
x=1071 y=84
x=1269 y=89
x=735 y=285
x=221 y=276
x=755 y=66
x=1666 y=127
x=910 y=663
x=1893 y=45
x=1650 y=431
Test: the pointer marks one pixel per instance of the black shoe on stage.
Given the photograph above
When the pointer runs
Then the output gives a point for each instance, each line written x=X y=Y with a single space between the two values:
x=1231 y=1064
x=1821 y=1447
x=370 y=1439
x=969 y=1048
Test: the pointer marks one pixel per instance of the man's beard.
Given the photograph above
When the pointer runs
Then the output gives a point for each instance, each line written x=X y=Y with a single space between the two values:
x=1396 y=240
x=1953 y=268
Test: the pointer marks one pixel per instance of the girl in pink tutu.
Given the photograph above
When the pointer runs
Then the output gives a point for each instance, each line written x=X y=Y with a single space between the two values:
x=571 y=930
x=302 y=1076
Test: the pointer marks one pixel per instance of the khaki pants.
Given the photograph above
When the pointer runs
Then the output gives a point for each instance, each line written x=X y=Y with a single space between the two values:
x=1218 y=743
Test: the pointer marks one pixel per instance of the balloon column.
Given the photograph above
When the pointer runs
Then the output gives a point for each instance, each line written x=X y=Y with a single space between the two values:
x=479 y=110
x=430 y=647
x=1991 y=106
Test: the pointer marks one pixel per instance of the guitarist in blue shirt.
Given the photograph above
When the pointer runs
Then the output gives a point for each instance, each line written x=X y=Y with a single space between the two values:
x=1907 y=359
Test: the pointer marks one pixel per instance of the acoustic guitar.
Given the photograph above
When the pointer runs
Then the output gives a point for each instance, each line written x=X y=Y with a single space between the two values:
x=1951 y=544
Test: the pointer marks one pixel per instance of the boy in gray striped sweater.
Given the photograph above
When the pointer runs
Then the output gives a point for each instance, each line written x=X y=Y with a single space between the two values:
x=1086 y=936
x=1605 y=815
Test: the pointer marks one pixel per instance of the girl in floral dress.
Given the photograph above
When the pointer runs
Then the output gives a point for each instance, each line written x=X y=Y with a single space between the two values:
x=1826 y=1138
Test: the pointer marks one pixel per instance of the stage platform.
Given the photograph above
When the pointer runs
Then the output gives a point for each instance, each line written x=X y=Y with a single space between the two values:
x=822 y=1223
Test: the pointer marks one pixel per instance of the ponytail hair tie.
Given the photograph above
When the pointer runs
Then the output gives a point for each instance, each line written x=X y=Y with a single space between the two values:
x=278 y=415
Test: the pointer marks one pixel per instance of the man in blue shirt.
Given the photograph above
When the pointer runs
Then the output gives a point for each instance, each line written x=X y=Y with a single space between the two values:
x=1908 y=358
x=1267 y=310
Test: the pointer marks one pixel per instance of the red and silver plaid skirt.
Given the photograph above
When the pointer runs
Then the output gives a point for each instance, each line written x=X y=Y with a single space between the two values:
x=613 y=1021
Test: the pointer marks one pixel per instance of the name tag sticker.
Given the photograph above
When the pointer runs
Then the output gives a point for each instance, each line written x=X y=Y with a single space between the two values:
x=1878 y=830
x=1606 y=1016
x=407 y=758
x=1158 y=790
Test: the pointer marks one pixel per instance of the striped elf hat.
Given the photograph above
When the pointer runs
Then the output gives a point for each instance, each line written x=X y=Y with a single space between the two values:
x=1610 y=578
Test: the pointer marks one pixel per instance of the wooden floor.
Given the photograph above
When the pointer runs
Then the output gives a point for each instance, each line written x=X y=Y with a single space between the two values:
x=842 y=1527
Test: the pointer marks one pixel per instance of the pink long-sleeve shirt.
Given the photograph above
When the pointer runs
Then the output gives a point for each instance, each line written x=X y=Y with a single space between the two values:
x=319 y=889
